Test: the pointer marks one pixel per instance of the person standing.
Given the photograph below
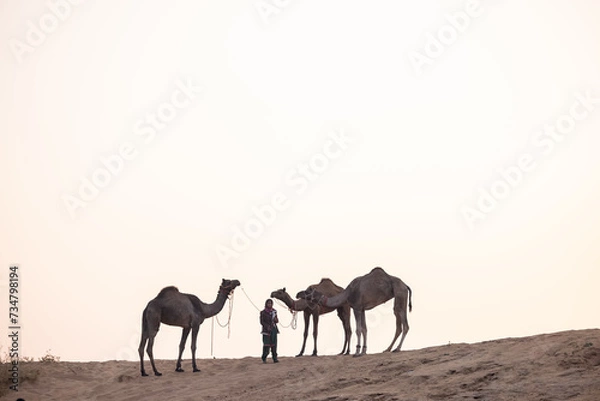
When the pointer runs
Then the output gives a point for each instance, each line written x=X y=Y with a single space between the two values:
x=268 y=321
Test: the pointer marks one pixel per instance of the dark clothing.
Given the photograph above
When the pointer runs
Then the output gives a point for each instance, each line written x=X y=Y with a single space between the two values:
x=265 y=353
x=268 y=321
x=270 y=339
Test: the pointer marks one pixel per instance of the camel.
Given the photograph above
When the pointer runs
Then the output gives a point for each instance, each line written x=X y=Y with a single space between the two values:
x=364 y=293
x=174 y=308
x=329 y=288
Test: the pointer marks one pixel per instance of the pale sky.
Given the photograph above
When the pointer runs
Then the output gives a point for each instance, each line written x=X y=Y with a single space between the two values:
x=452 y=143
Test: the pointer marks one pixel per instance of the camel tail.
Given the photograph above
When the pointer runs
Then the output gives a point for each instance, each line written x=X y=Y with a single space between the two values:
x=409 y=299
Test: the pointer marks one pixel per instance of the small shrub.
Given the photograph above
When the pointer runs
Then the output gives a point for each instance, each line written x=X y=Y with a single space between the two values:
x=49 y=358
x=27 y=371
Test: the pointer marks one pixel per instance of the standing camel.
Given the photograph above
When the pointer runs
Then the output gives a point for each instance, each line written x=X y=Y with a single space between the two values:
x=177 y=309
x=329 y=288
x=364 y=293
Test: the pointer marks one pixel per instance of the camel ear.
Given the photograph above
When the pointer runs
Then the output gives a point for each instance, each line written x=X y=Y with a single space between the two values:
x=283 y=288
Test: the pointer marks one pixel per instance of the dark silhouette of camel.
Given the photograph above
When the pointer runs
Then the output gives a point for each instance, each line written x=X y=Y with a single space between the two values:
x=364 y=293
x=177 y=309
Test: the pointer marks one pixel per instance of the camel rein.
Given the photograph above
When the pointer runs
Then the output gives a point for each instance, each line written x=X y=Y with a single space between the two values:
x=253 y=304
x=293 y=324
x=228 y=324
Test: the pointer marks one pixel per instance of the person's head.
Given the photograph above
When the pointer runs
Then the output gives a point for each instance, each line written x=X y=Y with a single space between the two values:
x=269 y=303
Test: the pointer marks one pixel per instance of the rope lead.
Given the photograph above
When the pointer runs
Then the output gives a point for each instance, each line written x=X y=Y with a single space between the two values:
x=228 y=325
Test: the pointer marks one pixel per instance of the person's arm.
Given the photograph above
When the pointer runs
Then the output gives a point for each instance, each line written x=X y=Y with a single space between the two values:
x=264 y=319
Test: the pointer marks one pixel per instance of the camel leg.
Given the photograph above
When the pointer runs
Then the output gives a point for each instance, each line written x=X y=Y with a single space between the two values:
x=347 y=330
x=306 y=324
x=364 y=332
x=315 y=331
x=402 y=319
x=358 y=318
x=397 y=308
x=150 y=326
x=195 y=331
x=151 y=354
x=184 y=336
x=146 y=332
x=141 y=352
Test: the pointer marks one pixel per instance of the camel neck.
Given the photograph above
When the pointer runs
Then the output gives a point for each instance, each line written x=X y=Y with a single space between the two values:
x=216 y=307
x=297 y=304
x=335 y=301
x=289 y=302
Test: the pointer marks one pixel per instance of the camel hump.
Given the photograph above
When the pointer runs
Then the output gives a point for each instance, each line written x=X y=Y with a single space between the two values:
x=377 y=269
x=166 y=290
x=328 y=283
x=327 y=287
x=324 y=281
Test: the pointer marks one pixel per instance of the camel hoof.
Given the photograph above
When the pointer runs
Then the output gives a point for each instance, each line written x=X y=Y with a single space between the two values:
x=196 y=370
x=144 y=374
x=314 y=354
x=396 y=350
x=357 y=355
x=179 y=370
x=157 y=374
x=299 y=355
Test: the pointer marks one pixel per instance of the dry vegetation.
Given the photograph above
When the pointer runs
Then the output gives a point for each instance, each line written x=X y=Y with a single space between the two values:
x=28 y=370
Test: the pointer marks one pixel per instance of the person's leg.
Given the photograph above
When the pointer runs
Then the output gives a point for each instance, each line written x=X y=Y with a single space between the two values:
x=266 y=348
x=274 y=345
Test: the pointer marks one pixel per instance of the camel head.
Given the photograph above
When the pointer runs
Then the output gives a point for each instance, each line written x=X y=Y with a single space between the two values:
x=310 y=295
x=279 y=294
x=227 y=286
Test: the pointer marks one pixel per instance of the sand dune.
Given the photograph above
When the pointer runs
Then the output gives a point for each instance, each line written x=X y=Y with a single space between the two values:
x=559 y=366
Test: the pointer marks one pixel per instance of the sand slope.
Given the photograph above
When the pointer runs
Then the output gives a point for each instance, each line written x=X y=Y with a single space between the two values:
x=560 y=366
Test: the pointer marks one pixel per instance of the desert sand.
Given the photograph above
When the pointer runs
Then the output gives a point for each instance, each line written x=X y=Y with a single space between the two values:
x=558 y=366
